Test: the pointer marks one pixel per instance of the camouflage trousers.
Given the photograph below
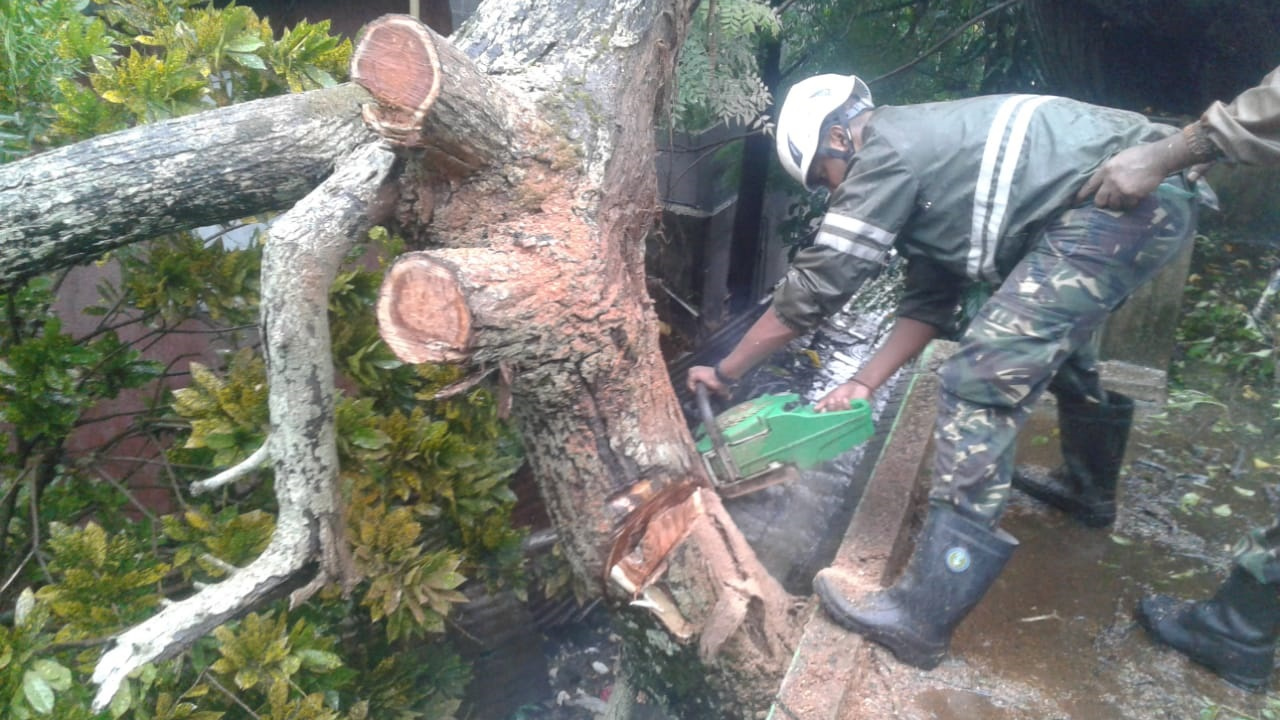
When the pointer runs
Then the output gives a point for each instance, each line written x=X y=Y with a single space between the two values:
x=1040 y=321
x=1258 y=553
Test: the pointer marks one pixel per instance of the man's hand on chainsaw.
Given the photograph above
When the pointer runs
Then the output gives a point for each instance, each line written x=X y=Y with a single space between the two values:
x=843 y=396
x=706 y=375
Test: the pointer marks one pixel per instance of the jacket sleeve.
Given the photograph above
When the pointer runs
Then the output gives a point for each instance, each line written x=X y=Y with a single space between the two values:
x=930 y=294
x=862 y=221
x=1248 y=129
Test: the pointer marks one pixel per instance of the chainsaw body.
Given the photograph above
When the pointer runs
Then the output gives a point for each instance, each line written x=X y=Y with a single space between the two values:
x=768 y=439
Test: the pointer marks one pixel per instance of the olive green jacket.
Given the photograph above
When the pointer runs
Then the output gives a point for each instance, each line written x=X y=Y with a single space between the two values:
x=957 y=188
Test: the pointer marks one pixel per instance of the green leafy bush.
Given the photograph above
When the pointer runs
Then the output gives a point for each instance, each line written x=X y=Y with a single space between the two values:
x=1217 y=327
x=85 y=553
x=718 y=78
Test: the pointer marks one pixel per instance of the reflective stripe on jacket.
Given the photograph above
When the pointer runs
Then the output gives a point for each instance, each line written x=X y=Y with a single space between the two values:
x=960 y=186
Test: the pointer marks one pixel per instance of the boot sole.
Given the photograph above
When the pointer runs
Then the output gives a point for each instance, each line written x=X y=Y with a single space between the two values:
x=908 y=648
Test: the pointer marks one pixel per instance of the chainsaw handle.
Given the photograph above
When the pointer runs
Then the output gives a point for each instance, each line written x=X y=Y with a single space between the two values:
x=713 y=431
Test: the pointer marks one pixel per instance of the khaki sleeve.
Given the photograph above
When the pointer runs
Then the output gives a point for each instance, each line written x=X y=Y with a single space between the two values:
x=1248 y=129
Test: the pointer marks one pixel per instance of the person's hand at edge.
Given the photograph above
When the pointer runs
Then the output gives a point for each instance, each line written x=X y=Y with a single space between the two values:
x=707 y=375
x=843 y=396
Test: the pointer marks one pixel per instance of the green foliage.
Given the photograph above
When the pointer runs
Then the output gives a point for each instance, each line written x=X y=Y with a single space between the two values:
x=49 y=378
x=75 y=69
x=101 y=584
x=308 y=57
x=410 y=588
x=150 y=87
x=1217 y=328
x=718 y=78
x=38 y=384
x=228 y=416
x=425 y=480
x=1227 y=343
x=949 y=57
x=29 y=683
x=185 y=275
x=425 y=685
x=260 y=652
x=41 y=45
x=208 y=543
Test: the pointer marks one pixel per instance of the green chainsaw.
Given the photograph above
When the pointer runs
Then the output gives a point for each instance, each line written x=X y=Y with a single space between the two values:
x=768 y=440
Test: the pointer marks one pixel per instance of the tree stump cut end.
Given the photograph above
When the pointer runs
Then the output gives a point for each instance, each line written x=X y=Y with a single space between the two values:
x=422 y=311
x=397 y=62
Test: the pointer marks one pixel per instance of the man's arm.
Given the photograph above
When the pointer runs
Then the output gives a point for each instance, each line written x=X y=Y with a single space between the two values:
x=852 y=244
x=766 y=336
x=1246 y=131
x=907 y=338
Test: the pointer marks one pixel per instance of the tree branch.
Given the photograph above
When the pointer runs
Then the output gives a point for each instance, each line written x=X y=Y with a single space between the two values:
x=848 y=27
x=75 y=203
x=945 y=39
x=299 y=263
x=231 y=474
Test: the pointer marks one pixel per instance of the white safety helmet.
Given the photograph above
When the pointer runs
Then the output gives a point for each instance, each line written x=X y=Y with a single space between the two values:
x=800 y=121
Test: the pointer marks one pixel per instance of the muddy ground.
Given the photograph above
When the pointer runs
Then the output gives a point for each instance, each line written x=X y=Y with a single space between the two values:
x=1055 y=637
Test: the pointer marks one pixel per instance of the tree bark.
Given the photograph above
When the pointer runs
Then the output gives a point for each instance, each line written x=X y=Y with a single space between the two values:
x=551 y=286
x=74 y=204
x=531 y=185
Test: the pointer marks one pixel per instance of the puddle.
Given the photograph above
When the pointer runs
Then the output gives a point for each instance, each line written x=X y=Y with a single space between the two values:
x=1055 y=636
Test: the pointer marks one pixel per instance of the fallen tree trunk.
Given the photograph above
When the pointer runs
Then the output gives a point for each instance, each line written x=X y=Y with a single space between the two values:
x=549 y=285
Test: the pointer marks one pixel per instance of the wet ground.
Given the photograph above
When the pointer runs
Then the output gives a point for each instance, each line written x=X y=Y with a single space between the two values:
x=1055 y=636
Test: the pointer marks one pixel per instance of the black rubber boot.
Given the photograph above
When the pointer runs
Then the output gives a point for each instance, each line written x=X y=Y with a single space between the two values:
x=955 y=560
x=1234 y=634
x=1094 y=436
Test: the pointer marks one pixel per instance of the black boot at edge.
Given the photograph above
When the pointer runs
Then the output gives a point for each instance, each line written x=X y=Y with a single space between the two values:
x=1094 y=437
x=954 y=563
x=1233 y=634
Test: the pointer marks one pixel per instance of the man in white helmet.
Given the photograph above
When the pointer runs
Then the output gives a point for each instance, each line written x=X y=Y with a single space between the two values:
x=975 y=190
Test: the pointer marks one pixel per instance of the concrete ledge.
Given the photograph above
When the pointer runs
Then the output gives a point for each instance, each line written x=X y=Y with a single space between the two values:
x=829 y=660
x=1139 y=382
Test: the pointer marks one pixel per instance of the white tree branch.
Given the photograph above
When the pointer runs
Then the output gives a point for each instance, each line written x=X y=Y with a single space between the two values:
x=231 y=474
x=300 y=260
